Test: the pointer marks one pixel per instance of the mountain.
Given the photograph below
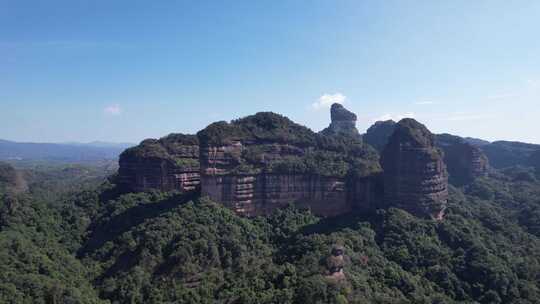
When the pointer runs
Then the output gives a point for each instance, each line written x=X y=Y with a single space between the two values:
x=260 y=163
x=71 y=153
x=503 y=154
x=378 y=134
x=264 y=210
x=415 y=174
x=500 y=154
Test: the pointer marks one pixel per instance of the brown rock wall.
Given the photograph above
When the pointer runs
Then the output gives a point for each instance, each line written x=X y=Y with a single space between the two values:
x=415 y=176
x=262 y=193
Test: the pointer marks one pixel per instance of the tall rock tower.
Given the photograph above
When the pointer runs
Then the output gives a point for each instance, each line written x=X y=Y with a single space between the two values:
x=415 y=176
x=343 y=122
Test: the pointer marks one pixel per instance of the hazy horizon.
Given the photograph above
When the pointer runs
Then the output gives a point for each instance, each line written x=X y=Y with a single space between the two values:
x=122 y=72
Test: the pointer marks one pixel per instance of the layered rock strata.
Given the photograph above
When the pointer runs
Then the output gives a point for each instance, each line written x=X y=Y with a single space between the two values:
x=415 y=176
x=170 y=163
x=260 y=194
x=254 y=175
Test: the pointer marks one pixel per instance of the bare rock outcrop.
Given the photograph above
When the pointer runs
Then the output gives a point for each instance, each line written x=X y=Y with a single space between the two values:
x=415 y=176
x=343 y=122
x=170 y=163
x=265 y=161
x=335 y=263
x=464 y=161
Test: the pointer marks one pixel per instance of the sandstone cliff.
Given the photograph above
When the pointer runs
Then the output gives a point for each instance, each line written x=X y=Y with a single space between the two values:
x=415 y=176
x=265 y=161
x=170 y=163
x=464 y=161
x=343 y=122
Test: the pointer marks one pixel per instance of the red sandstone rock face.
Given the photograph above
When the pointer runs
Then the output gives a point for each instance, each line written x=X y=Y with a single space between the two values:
x=146 y=174
x=265 y=161
x=262 y=192
x=170 y=163
x=415 y=176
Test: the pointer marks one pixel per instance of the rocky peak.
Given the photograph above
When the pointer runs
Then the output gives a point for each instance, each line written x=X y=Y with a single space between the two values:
x=413 y=134
x=415 y=176
x=378 y=134
x=343 y=122
x=339 y=113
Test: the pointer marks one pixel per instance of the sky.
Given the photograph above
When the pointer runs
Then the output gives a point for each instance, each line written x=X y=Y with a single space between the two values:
x=122 y=71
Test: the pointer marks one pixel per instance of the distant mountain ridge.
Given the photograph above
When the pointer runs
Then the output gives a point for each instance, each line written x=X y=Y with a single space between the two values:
x=63 y=152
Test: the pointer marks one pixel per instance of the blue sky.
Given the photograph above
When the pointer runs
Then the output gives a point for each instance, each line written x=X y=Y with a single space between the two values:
x=128 y=70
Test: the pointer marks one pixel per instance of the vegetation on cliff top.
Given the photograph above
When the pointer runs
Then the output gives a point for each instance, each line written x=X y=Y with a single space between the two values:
x=315 y=153
x=171 y=147
x=503 y=154
x=261 y=127
x=414 y=133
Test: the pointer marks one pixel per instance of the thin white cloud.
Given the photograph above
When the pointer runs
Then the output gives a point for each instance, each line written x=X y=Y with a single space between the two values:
x=113 y=110
x=425 y=102
x=464 y=117
x=535 y=83
x=394 y=117
x=502 y=96
x=62 y=44
x=326 y=100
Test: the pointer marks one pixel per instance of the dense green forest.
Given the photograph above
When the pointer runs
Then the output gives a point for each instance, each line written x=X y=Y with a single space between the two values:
x=62 y=242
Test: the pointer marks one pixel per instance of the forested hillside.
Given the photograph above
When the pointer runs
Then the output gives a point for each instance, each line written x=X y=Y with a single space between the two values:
x=101 y=246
